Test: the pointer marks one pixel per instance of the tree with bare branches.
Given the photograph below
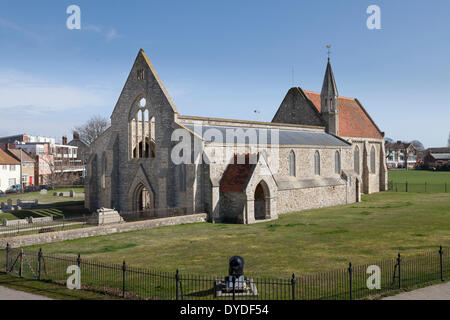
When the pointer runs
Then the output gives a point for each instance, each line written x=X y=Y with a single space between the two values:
x=93 y=128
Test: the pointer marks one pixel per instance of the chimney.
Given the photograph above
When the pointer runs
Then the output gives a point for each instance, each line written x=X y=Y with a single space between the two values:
x=76 y=135
x=64 y=140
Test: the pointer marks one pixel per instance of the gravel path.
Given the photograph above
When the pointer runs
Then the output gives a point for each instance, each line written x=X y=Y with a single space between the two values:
x=436 y=292
x=11 y=294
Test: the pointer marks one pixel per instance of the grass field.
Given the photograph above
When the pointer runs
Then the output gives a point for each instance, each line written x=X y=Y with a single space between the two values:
x=50 y=290
x=304 y=242
x=48 y=205
x=419 y=176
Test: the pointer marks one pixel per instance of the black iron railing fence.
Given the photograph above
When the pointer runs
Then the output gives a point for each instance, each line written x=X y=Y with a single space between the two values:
x=141 y=283
x=424 y=187
x=59 y=224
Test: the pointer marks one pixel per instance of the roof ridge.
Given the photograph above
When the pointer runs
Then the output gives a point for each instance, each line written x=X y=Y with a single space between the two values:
x=318 y=93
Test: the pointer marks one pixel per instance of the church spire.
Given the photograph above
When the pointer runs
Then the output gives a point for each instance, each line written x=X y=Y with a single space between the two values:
x=329 y=100
x=329 y=89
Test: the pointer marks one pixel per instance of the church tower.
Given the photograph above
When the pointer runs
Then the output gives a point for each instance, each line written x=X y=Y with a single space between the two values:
x=329 y=101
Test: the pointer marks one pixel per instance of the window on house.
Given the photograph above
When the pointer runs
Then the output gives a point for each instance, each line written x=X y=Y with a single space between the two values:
x=292 y=163
x=317 y=163
x=12 y=167
x=356 y=159
x=337 y=162
x=372 y=160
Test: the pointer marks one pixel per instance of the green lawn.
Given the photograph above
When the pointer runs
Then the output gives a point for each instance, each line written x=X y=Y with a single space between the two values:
x=47 y=289
x=48 y=205
x=419 y=176
x=304 y=242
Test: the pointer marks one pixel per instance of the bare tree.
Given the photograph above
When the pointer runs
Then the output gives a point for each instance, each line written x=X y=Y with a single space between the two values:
x=448 y=140
x=388 y=140
x=94 y=127
x=417 y=144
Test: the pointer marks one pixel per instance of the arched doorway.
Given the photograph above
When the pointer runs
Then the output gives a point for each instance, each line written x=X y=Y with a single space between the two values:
x=261 y=207
x=143 y=200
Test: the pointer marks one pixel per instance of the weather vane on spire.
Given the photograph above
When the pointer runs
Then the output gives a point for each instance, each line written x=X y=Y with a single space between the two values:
x=329 y=52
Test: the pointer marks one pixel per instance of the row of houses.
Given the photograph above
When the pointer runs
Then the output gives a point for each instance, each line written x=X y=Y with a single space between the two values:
x=405 y=155
x=35 y=160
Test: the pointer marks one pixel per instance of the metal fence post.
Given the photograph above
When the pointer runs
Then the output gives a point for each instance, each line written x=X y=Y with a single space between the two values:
x=293 y=281
x=21 y=263
x=406 y=186
x=234 y=287
x=350 y=270
x=79 y=260
x=8 y=248
x=177 y=279
x=124 y=268
x=441 y=262
x=399 y=260
x=39 y=263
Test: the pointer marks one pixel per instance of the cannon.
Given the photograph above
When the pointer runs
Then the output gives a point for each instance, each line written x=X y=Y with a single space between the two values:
x=236 y=266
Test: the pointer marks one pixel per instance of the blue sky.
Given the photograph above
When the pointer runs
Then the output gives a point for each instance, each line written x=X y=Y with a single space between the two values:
x=225 y=59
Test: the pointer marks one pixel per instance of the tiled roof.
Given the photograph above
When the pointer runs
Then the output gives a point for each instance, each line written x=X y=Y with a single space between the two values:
x=7 y=159
x=441 y=156
x=236 y=175
x=354 y=121
x=397 y=145
x=439 y=150
x=285 y=137
x=25 y=156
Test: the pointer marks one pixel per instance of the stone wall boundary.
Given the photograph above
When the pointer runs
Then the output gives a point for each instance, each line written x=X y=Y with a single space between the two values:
x=42 y=238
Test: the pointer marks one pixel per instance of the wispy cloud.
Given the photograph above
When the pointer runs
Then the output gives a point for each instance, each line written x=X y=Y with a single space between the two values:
x=108 y=33
x=38 y=38
x=29 y=95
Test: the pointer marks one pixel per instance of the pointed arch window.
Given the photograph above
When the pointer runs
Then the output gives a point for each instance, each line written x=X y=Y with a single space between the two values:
x=292 y=163
x=104 y=167
x=337 y=162
x=317 y=163
x=372 y=159
x=356 y=159
x=142 y=130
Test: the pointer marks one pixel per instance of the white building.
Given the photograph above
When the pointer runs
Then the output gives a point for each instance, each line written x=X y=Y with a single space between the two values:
x=9 y=171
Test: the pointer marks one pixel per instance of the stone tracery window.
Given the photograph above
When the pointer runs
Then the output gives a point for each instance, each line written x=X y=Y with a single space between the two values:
x=142 y=131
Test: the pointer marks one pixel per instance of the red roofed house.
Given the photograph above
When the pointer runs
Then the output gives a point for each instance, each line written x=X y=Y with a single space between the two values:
x=343 y=117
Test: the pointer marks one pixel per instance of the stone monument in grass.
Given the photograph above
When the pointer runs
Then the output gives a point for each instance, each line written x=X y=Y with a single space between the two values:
x=105 y=216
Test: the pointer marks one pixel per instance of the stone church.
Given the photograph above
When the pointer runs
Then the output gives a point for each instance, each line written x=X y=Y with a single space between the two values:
x=320 y=150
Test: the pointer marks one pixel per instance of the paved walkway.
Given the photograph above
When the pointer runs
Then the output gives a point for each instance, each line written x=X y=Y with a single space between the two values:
x=11 y=294
x=436 y=292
